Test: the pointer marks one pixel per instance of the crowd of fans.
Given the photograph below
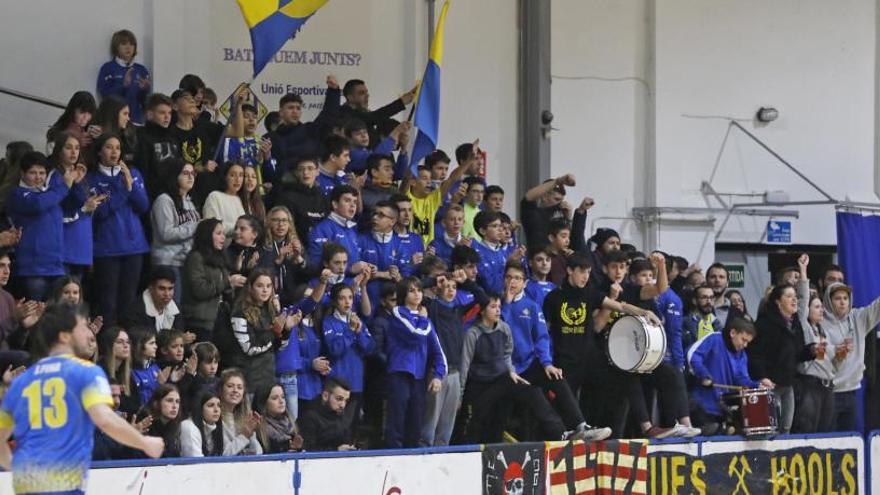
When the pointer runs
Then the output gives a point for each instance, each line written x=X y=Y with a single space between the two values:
x=303 y=289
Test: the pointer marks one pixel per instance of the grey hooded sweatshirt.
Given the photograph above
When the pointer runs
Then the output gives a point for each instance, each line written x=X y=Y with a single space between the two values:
x=823 y=369
x=856 y=324
x=486 y=353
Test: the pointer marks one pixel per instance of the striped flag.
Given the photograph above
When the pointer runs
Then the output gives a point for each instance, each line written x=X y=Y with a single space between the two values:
x=604 y=468
x=273 y=22
x=427 y=115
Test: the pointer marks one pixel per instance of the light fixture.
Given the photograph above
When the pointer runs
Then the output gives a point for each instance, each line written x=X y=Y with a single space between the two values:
x=767 y=114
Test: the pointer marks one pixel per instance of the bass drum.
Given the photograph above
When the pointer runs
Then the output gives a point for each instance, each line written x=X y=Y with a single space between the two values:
x=636 y=345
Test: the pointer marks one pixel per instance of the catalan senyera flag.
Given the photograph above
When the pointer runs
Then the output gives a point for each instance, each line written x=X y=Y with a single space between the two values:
x=427 y=116
x=273 y=22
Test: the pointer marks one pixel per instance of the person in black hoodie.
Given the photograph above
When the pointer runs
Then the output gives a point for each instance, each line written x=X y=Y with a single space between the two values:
x=294 y=139
x=303 y=197
x=778 y=348
x=155 y=142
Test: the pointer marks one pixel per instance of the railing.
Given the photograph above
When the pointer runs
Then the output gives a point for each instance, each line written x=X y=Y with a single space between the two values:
x=30 y=97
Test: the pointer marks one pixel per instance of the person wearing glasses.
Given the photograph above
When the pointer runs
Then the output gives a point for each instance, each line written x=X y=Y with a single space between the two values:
x=701 y=321
x=174 y=218
x=284 y=254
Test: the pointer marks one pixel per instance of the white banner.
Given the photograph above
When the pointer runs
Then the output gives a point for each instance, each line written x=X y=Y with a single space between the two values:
x=439 y=474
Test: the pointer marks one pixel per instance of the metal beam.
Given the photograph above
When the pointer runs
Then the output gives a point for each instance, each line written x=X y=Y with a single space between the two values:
x=643 y=213
x=784 y=162
x=534 y=75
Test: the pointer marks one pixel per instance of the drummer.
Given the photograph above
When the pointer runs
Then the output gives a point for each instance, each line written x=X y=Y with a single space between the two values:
x=646 y=281
x=719 y=363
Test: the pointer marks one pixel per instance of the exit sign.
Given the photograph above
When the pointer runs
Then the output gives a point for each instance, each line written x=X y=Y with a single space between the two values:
x=736 y=276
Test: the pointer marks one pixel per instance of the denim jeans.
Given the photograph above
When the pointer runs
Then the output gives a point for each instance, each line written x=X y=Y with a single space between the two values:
x=785 y=399
x=288 y=383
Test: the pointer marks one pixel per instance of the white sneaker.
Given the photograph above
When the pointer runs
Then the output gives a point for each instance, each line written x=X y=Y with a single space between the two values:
x=595 y=434
x=683 y=431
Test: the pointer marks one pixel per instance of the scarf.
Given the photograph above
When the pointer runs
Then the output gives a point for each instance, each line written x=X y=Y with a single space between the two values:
x=278 y=430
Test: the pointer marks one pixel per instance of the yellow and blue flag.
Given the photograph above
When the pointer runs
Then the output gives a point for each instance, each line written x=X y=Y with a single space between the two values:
x=273 y=22
x=427 y=115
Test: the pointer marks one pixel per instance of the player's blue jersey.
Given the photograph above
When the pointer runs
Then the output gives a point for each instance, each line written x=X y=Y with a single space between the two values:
x=46 y=409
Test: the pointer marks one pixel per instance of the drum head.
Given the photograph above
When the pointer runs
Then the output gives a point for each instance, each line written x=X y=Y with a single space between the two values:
x=627 y=342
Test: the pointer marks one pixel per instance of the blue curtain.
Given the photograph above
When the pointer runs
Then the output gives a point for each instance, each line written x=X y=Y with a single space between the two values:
x=858 y=250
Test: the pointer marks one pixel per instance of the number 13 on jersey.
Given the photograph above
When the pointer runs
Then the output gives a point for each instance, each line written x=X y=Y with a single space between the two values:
x=38 y=393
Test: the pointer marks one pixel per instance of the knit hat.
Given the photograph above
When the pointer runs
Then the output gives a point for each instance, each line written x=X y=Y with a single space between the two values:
x=603 y=235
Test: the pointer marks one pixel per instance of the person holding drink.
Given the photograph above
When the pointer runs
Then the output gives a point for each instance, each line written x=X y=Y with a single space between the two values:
x=847 y=329
x=814 y=383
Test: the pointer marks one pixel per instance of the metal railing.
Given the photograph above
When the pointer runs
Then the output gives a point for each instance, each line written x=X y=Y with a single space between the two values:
x=30 y=97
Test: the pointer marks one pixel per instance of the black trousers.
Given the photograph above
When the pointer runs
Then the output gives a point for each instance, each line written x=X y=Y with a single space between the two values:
x=666 y=383
x=814 y=405
x=490 y=403
x=563 y=399
x=602 y=390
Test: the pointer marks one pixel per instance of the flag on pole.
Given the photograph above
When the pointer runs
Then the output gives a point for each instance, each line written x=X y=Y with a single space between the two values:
x=272 y=23
x=427 y=115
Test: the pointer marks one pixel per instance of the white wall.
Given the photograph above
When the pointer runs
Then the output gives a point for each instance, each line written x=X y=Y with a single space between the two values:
x=52 y=49
x=600 y=117
x=811 y=59
x=479 y=99
x=479 y=90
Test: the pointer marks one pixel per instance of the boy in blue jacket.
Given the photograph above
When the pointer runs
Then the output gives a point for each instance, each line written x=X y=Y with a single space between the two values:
x=35 y=207
x=123 y=77
x=539 y=284
x=451 y=236
x=334 y=159
x=338 y=227
x=493 y=255
x=719 y=358
x=411 y=344
x=532 y=356
x=380 y=248
x=411 y=250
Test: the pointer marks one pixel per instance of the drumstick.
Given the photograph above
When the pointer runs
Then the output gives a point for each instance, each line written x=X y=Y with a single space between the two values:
x=728 y=387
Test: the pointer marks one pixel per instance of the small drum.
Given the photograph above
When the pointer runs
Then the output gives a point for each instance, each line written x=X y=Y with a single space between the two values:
x=754 y=411
x=636 y=345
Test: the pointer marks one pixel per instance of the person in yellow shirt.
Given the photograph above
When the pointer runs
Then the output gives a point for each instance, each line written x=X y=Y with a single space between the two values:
x=426 y=202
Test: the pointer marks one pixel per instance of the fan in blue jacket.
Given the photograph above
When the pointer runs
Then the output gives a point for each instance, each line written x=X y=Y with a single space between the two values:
x=720 y=359
x=289 y=360
x=123 y=77
x=338 y=227
x=35 y=207
x=348 y=343
x=670 y=308
x=359 y=138
x=119 y=239
x=533 y=355
x=411 y=344
x=493 y=256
